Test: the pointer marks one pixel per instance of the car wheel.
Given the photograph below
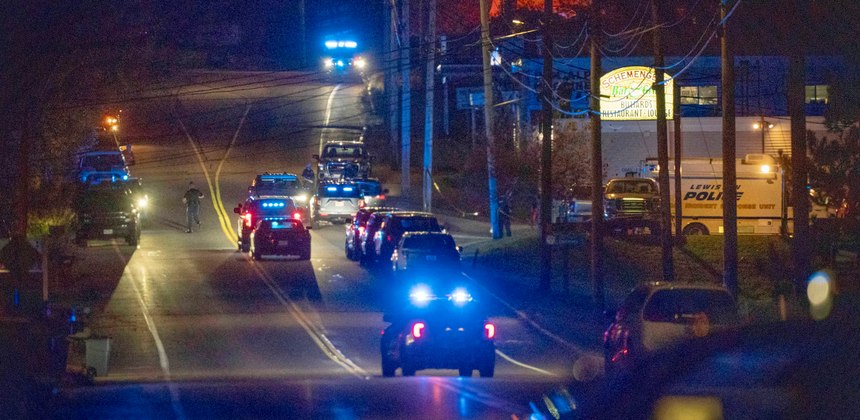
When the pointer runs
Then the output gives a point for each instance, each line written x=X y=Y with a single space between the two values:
x=245 y=246
x=488 y=368
x=408 y=369
x=695 y=229
x=389 y=367
x=346 y=251
x=465 y=372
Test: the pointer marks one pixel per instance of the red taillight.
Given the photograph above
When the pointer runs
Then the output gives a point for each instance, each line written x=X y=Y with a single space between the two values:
x=380 y=197
x=297 y=215
x=490 y=330
x=418 y=329
x=360 y=230
x=361 y=203
x=247 y=218
x=388 y=238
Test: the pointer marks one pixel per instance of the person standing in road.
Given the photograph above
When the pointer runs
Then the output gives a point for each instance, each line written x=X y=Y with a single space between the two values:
x=192 y=199
x=505 y=216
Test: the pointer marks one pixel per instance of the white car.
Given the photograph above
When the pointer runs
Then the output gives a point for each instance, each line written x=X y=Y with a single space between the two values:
x=660 y=314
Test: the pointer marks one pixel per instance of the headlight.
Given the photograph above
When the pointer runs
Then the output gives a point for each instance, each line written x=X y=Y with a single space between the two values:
x=328 y=63
x=302 y=198
x=142 y=202
x=420 y=295
x=360 y=63
x=460 y=296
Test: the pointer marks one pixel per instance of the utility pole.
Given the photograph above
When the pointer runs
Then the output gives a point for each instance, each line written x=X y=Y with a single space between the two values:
x=730 y=198
x=800 y=201
x=662 y=145
x=488 y=120
x=429 y=81
x=546 y=153
x=391 y=93
x=405 y=103
x=676 y=104
x=596 y=266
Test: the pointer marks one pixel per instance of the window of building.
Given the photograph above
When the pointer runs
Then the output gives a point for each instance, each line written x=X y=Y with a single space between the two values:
x=817 y=94
x=699 y=95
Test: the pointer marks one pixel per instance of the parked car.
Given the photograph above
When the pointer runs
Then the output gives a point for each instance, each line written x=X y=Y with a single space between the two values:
x=253 y=210
x=419 y=250
x=394 y=225
x=631 y=203
x=354 y=230
x=344 y=160
x=336 y=202
x=280 y=236
x=281 y=184
x=102 y=165
x=799 y=369
x=373 y=192
x=659 y=314
x=105 y=211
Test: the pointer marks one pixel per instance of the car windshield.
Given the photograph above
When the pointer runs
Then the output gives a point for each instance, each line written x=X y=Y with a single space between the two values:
x=429 y=242
x=107 y=160
x=620 y=187
x=417 y=224
x=351 y=151
x=370 y=188
x=684 y=305
x=110 y=201
x=278 y=186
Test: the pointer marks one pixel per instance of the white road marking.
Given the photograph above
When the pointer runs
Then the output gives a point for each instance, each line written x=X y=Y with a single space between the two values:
x=523 y=365
x=159 y=345
x=327 y=116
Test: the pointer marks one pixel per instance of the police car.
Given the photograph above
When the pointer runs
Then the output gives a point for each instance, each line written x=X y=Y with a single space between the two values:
x=253 y=210
x=441 y=326
x=280 y=236
x=282 y=184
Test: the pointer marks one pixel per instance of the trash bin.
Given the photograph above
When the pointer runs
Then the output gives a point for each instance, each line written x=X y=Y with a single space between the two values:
x=97 y=355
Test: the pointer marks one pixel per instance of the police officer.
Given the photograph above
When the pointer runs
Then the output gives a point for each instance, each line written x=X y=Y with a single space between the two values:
x=505 y=216
x=192 y=198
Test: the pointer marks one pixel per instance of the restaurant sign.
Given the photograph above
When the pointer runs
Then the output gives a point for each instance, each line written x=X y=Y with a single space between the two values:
x=628 y=94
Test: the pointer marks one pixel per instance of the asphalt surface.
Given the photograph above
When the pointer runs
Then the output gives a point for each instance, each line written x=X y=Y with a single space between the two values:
x=190 y=315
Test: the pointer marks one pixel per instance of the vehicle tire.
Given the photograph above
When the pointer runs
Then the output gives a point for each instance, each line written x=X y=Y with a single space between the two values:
x=407 y=369
x=347 y=252
x=132 y=240
x=389 y=367
x=465 y=372
x=695 y=229
x=245 y=246
x=488 y=367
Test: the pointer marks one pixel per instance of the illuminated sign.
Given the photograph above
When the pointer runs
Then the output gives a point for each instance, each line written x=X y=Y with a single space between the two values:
x=628 y=94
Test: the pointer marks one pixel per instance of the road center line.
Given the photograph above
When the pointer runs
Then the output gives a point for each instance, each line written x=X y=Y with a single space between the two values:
x=316 y=334
x=220 y=204
x=221 y=219
x=327 y=116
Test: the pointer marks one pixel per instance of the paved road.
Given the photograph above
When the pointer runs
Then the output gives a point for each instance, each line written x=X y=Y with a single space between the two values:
x=190 y=307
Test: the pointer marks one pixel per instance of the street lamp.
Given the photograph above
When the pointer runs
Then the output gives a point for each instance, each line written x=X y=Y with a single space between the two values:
x=762 y=125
